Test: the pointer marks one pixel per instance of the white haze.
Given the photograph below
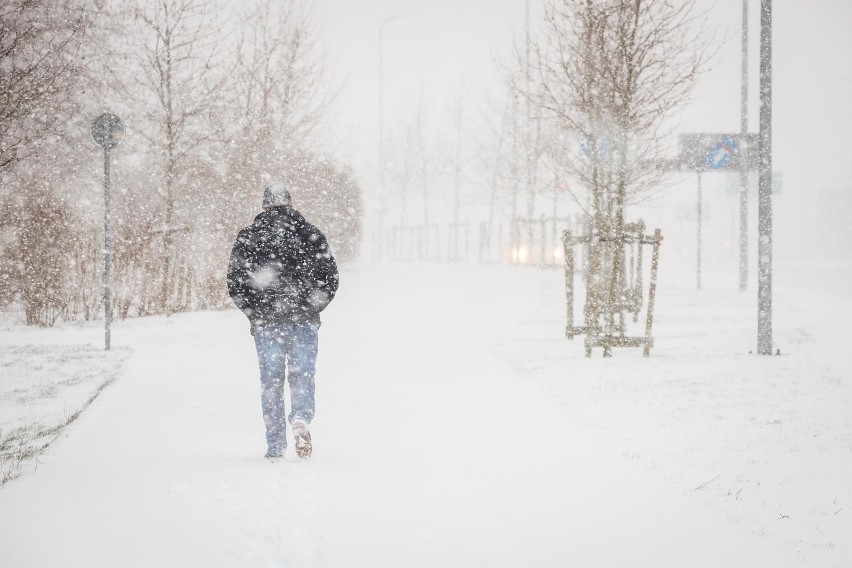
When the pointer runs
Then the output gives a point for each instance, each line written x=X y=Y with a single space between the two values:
x=435 y=49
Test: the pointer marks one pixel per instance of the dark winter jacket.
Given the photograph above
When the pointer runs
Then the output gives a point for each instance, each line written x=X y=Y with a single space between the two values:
x=281 y=269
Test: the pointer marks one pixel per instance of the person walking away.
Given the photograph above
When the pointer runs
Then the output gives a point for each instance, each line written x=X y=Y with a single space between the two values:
x=281 y=275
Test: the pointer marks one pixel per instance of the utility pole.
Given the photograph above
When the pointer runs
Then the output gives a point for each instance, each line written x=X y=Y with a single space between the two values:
x=764 y=255
x=382 y=198
x=743 y=165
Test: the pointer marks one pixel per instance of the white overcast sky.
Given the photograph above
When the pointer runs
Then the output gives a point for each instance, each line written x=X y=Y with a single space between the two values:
x=432 y=49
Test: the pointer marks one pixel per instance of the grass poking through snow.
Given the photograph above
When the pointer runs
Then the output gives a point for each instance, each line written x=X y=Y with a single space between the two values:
x=43 y=389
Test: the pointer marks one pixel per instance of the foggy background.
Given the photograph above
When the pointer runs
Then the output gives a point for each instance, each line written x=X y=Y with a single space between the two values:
x=434 y=50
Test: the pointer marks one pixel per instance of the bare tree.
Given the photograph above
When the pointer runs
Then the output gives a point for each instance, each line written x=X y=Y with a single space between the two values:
x=400 y=163
x=425 y=167
x=39 y=40
x=522 y=146
x=281 y=93
x=456 y=165
x=412 y=165
x=610 y=74
x=178 y=57
x=43 y=69
x=493 y=151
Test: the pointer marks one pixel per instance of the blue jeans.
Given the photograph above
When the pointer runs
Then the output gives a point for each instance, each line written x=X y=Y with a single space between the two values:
x=292 y=346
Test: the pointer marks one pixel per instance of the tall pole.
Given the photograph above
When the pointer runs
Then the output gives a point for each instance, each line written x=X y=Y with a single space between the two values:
x=764 y=256
x=107 y=246
x=743 y=165
x=699 y=234
x=107 y=131
x=382 y=202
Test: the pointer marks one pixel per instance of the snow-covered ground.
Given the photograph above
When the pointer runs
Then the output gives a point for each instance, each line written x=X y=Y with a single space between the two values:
x=43 y=388
x=457 y=426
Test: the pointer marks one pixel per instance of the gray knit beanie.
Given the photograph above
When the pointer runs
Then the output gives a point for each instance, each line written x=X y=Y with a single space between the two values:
x=276 y=195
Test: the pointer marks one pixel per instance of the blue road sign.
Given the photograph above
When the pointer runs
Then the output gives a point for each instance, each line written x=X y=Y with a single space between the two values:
x=603 y=146
x=721 y=153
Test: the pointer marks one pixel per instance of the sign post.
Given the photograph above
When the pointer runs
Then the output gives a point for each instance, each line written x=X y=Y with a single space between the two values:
x=698 y=255
x=705 y=152
x=107 y=132
x=743 y=168
x=764 y=224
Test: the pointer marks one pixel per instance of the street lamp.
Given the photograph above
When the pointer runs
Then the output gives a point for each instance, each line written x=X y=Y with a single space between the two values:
x=381 y=118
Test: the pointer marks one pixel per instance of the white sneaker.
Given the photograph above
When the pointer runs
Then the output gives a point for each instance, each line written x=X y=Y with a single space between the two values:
x=303 y=438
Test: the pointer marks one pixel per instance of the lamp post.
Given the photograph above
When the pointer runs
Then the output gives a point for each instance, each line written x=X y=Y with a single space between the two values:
x=107 y=132
x=381 y=119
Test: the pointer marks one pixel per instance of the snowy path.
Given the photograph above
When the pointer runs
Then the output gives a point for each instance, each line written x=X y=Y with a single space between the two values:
x=429 y=451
